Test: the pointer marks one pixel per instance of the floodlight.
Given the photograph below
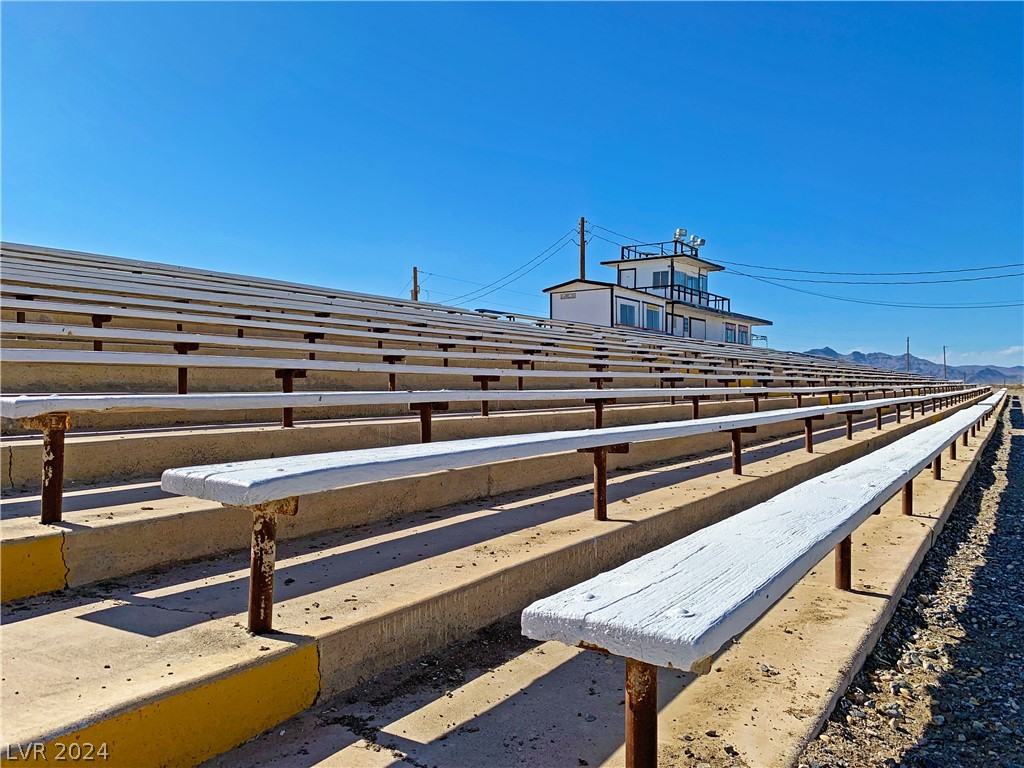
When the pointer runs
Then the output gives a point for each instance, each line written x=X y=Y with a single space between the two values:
x=680 y=234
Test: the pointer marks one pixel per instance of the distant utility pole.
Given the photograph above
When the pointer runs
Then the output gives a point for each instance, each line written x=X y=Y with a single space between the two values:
x=944 y=363
x=583 y=249
x=908 y=354
x=415 y=293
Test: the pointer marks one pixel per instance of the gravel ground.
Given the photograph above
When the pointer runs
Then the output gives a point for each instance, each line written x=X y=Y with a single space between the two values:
x=944 y=688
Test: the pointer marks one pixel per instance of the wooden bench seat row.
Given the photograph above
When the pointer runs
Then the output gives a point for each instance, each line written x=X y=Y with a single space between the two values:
x=268 y=487
x=678 y=606
x=52 y=414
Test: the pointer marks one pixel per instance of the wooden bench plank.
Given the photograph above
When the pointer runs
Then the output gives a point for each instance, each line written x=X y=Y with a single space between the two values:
x=257 y=482
x=677 y=606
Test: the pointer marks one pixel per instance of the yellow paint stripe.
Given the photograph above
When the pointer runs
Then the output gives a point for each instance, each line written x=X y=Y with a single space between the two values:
x=31 y=566
x=193 y=725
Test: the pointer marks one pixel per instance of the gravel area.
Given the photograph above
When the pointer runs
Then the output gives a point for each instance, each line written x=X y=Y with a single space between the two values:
x=944 y=688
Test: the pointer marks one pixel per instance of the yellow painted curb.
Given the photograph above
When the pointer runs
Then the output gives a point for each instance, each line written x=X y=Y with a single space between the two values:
x=31 y=567
x=191 y=725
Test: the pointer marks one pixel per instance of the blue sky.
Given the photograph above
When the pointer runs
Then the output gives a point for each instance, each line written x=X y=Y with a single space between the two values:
x=344 y=143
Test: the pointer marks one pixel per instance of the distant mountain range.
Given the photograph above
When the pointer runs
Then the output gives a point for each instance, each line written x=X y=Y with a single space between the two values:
x=972 y=374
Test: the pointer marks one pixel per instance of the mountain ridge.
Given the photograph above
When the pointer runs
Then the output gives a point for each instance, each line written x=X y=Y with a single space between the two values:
x=970 y=374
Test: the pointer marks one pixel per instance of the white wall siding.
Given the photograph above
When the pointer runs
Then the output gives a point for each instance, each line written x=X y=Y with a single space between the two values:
x=592 y=305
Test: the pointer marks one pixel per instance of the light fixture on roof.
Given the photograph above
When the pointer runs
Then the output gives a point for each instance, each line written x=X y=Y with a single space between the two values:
x=679 y=235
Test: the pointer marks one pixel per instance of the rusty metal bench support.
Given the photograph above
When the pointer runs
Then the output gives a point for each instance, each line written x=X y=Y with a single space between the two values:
x=737 y=448
x=937 y=467
x=484 y=382
x=641 y=714
x=599 y=404
x=908 y=498
x=843 y=564
x=601 y=475
x=809 y=432
x=53 y=427
x=287 y=377
x=184 y=349
x=849 y=422
x=426 y=412
x=261 y=562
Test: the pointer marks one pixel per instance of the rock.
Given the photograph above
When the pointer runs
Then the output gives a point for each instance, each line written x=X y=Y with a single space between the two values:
x=938 y=720
x=712 y=733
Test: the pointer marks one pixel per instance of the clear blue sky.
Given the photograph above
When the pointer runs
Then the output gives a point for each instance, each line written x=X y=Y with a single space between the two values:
x=344 y=143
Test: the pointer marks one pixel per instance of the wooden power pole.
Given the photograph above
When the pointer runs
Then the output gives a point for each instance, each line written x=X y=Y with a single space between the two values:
x=944 y=378
x=415 y=293
x=908 y=354
x=583 y=249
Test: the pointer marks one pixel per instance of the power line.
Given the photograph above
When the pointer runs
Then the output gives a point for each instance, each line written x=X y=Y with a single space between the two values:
x=619 y=234
x=470 y=282
x=884 y=282
x=498 y=288
x=470 y=294
x=902 y=305
x=599 y=237
x=870 y=274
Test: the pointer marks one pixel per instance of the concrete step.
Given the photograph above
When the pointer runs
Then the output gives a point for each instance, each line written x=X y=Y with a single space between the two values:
x=114 y=530
x=138 y=664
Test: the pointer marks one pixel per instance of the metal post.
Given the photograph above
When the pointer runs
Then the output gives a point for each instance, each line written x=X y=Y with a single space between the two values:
x=849 y=426
x=53 y=426
x=695 y=407
x=808 y=436
x=737 y=457
x=641 y=714
x=261 y=572
x=97 y=322
x=184 y=349
x=899 y=412
x=756 y=404
x=287 y=386
x=937 y=467
x=952 y=450
x=601 y=483
x=843 y=564
x=964 y=438
x=908 y=498
x=878 y=419
x=484 y=382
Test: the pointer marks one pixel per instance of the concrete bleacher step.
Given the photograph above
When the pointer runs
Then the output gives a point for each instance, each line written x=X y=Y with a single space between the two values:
x=112 y=530
x=138 y=663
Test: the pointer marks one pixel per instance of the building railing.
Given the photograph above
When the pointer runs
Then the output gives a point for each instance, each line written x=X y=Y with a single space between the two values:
x=653 y=250
x=689 y=295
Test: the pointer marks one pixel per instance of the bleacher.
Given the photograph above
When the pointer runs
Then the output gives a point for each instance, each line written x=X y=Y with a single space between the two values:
x=308 y=419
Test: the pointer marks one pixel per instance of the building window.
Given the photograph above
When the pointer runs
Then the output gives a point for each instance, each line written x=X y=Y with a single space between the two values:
x=627 y=314
x=660 y=279
x=744 y=335
x=686 y=325
x=730 y=332
x=652 y=318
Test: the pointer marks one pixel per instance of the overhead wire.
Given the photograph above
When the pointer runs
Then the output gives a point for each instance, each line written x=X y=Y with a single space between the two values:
x=873 y=302
x=882 y=282
x=470 y=294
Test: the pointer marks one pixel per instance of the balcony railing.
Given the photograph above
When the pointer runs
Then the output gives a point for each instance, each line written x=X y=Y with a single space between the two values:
x=654 y=250
x=689 y=295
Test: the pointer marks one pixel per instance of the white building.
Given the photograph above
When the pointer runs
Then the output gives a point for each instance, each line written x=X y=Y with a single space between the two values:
x=660 y=287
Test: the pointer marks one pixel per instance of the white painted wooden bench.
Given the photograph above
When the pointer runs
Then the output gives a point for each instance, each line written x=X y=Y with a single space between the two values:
x=268 y=487
x=52 y=414
x=677 y=606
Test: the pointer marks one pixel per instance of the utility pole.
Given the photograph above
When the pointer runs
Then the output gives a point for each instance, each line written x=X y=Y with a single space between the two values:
x=415 y=294
x=583 y=249
x=944 y=363
x=908 y=354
